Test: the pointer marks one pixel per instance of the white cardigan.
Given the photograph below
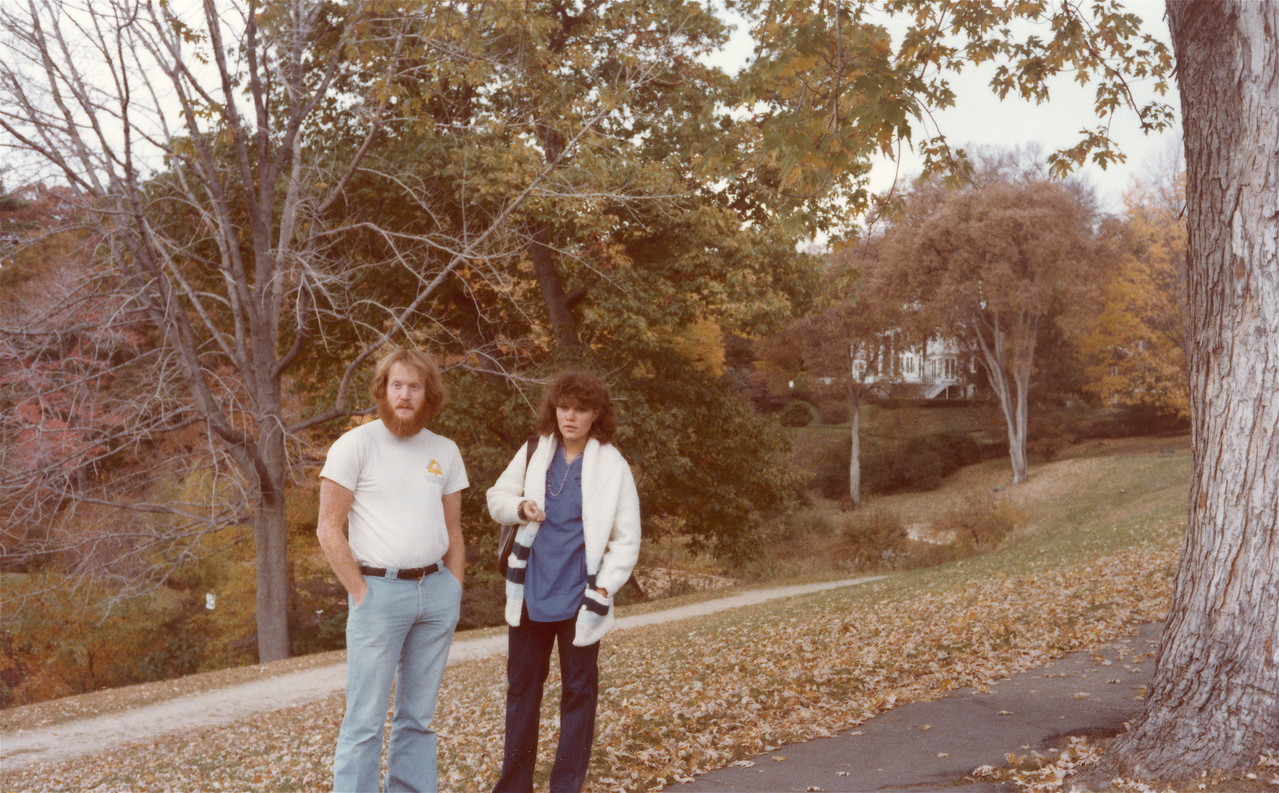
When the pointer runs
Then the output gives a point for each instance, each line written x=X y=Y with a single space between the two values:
x=610 y=523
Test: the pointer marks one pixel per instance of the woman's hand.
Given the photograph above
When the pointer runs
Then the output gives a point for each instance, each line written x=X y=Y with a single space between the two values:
x=530 y=512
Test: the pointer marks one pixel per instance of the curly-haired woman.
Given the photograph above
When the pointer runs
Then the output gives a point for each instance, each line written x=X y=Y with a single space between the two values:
x=579 y=538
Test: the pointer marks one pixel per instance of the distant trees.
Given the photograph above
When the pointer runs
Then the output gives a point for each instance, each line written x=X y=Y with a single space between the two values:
x=271 y=193
x=827 y=344
x=1135 y=353
x=210 y=152
x=988 y=265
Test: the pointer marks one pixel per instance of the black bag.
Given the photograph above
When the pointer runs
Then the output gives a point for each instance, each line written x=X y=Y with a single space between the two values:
x=506 y=540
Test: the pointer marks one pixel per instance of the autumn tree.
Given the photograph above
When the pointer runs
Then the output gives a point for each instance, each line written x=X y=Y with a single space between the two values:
x=196 y=141
x=638 y=261
x=1135 y=354
x=1214 y=703
x=986 y=265
x=841 y=342
x=831 y=85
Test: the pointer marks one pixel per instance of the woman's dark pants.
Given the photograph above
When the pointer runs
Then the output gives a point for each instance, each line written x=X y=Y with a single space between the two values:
x=527 y=663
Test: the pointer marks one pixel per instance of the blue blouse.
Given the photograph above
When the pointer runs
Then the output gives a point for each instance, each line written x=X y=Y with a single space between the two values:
x=556 y=577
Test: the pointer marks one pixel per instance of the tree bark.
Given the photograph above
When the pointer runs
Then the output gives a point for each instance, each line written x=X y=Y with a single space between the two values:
x=558 y=306
x=270 y=537
x=855 y=450
x=1214 y=703
x=1010 y=381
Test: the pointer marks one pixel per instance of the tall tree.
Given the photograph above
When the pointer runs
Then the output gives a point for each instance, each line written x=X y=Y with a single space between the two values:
x=841 y=342
x=987 y=265
x=651 y=246
x=194 y=138
x=1135 y=354
x=1214 y=703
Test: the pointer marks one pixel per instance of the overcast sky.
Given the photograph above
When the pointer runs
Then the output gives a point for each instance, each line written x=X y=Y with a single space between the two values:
x=980 y=118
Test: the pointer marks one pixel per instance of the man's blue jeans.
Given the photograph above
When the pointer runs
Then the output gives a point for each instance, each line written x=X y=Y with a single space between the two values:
x=400 y=632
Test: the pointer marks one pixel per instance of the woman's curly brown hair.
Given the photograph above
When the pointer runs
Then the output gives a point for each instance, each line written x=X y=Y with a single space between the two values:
x=584 y=390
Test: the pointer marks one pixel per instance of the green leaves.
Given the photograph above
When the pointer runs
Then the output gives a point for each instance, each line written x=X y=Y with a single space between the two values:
x=829 y=87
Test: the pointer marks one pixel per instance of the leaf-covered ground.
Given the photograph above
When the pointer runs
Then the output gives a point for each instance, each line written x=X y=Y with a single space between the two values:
x=688 y=697
x=693 y=696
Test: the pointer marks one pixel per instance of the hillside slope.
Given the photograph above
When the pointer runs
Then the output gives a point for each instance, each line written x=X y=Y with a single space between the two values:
x=1094 y=562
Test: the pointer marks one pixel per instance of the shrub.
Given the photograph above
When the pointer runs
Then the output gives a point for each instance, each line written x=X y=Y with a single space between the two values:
x=883 y=470
x=67 y=639
x=797 y=413
x=788 y=529
x=317 y=611
x=955 y=450
x=485 y=600
x=834 y=412
x=831 y=475
x=1047 y=447
x=917 y=465
x=912 y=467
x=872 y=537
x=1124 y=422
x=979 y=523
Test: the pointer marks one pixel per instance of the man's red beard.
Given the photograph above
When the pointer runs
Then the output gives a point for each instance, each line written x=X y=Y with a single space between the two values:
x=402 y=428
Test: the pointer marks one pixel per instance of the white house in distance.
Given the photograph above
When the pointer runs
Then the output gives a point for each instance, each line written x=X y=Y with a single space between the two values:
x=942 y=370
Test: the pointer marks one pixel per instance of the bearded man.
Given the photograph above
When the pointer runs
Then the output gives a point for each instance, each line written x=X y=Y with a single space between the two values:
x=399 y=487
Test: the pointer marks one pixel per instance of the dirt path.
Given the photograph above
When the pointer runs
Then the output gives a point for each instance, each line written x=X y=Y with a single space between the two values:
x=72 y=739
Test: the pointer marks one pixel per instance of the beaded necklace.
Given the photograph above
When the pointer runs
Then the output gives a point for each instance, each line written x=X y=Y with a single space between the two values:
x=568 y=468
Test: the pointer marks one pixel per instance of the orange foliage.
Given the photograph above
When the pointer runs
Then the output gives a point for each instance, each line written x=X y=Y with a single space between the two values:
x=1135 y=354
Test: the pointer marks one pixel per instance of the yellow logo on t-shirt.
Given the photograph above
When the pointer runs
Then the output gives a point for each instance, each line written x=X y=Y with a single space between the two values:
x=434 y=468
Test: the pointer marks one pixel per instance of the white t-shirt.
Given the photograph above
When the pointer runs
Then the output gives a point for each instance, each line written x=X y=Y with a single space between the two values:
x=397 y=513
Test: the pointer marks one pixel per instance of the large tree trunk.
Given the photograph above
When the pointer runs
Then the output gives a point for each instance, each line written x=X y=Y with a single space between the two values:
x=270 y=533
x=1215 y=698
x=270 y=536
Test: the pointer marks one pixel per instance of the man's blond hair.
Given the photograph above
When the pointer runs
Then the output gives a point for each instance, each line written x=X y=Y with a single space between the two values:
x=420 y=362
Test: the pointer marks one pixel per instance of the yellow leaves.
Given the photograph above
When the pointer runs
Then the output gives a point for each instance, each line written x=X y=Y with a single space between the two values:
x=701 y=344
x=1134 y=353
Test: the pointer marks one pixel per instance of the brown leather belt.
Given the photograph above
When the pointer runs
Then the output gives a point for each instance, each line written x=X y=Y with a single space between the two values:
x=414 y=574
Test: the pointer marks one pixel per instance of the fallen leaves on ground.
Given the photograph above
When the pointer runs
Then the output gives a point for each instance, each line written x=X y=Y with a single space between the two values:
x=1054 y=772
x=689 y=697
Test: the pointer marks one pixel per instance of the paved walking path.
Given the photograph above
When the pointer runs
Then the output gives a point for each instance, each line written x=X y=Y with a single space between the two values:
x=98 y=734
x=932 y=747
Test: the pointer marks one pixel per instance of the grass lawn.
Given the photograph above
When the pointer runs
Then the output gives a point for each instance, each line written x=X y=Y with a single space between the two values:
x=1094 y=560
